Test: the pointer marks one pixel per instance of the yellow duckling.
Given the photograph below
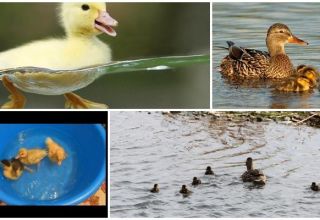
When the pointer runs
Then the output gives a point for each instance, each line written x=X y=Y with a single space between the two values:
x=55 y=152
x=305 y=80
x=79 y=48
x=32 y=156
x=12 y=169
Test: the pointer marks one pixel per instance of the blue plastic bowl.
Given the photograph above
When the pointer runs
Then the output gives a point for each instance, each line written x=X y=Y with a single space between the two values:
x=79 y=176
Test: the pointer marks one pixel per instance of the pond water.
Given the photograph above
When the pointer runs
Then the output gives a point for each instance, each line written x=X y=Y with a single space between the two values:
x=148 y=148
x=246 y=25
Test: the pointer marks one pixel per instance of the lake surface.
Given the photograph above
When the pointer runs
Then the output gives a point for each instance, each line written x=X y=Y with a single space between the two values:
x=246 y=25
x=148 y=148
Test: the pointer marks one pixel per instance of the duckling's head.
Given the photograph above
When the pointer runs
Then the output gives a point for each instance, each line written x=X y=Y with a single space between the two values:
x=313 y=184
x=155 y=186
x=5 y=163
x=249 y=163
x=278 y=35
x=195 y=178
x=87 y=19
x=16 y=164
x=208 y=168
x=183 y=187
x=311 y=74
x=22 y=153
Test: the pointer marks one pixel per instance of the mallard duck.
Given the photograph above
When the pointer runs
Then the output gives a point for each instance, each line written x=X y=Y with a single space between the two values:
x=209 y=171
x=31 y=156
x=249 y=63
x=253 y=175
x=79 y=48
x=196 y=181
x=55 y=152
x=315 y=187
x=155 y=189
x=304 y=80
x=12 y=169
x=184 y=190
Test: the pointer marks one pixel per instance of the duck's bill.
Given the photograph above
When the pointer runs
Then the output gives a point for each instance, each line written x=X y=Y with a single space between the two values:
x=294 y=40
x=105 y=23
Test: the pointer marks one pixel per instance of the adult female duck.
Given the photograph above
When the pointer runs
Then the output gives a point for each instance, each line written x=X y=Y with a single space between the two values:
x=79 y=48
x=250 y=63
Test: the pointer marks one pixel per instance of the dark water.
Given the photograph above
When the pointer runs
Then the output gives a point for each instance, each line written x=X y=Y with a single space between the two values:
x=170 y=150
x=247 y=24
x=145 y=30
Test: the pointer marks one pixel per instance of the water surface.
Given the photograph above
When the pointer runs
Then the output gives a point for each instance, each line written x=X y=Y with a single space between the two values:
x=171 y=150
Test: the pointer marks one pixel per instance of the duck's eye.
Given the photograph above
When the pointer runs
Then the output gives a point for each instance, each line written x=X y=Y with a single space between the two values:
x=85 y=7
x=281 y=31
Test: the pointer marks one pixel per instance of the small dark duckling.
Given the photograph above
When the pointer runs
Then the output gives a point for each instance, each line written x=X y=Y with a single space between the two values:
x=184 y=190
x=196 y=181
x=253 y=175
x=209 y=171
x=155 y=189
x=305 y=80
x=315 y=187
x=12 y=169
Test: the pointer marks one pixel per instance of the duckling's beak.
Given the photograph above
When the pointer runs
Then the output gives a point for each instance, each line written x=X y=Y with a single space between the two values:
x=105 y=23
x=294 y=40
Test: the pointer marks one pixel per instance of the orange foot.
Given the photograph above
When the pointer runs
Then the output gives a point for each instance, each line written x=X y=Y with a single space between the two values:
x=17 y=99
x=75 y=102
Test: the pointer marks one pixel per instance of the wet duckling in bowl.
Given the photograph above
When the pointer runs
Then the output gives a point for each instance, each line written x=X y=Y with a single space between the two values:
x=55 y=152
x=31 y=156
x=209 y=171
x=79 y=48
x=253 y=175
x=196 y=181
x=315 y=187
x=155 y=189
x=13 y=169
x=184 y=190
x=305 y=80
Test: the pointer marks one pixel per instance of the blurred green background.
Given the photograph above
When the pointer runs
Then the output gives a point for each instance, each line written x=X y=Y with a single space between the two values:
x=145 y=30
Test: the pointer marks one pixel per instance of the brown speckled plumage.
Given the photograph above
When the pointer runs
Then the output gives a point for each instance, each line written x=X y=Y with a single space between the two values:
x=250 y=63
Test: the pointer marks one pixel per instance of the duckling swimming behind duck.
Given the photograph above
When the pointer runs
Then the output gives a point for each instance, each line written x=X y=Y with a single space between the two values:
x=184 y=190
x=306 y=79
x=155 y=189
x=209 y=171
x=253 y=175
x=196 y=181
x=315 y=187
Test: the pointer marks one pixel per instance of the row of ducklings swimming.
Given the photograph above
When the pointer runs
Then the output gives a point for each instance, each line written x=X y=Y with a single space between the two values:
x=13 y=168
x=255 y=176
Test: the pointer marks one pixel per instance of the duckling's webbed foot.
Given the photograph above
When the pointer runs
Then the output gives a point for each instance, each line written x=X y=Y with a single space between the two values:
x=17 y=99
x=74 y=101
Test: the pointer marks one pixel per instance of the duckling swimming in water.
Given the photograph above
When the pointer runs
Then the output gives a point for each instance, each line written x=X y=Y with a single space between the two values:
x=55 y=152
x=78 y=49
x=209 y=171
x=304 y=80
x=31 y=156
x=315 y=187
x=196 y=181
x=184 y=190
x=155 y=189
x=13 y=169
x=253 y=175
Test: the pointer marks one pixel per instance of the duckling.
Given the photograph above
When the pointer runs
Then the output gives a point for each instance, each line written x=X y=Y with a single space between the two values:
x=315 y=187
x=306 y=79
x=184 y=190
x=82 y=22
x=32 y=156
x=253 y=175
x=196 y=181
x=55 y=152
x=208 y=171
x=12 y=169
x=155 y=189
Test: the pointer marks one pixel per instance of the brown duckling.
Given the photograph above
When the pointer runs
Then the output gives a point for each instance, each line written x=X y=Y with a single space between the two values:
x=209 y=171
x=155 y=189
x=196 y=181
x=32 y=156
x=13 y=169
x=304 y=80
x=315 y=187
x=253 y=175
x=184 y=190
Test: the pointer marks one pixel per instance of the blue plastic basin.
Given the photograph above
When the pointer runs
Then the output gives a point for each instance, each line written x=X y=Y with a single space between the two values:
x=79 y=176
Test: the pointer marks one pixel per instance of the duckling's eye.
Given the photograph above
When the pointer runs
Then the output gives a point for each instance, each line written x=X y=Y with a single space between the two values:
x=85 y=7
x=281 y=31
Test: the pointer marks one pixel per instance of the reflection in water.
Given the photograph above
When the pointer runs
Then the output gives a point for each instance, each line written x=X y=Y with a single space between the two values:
x=246 y=25
x=155 y=148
